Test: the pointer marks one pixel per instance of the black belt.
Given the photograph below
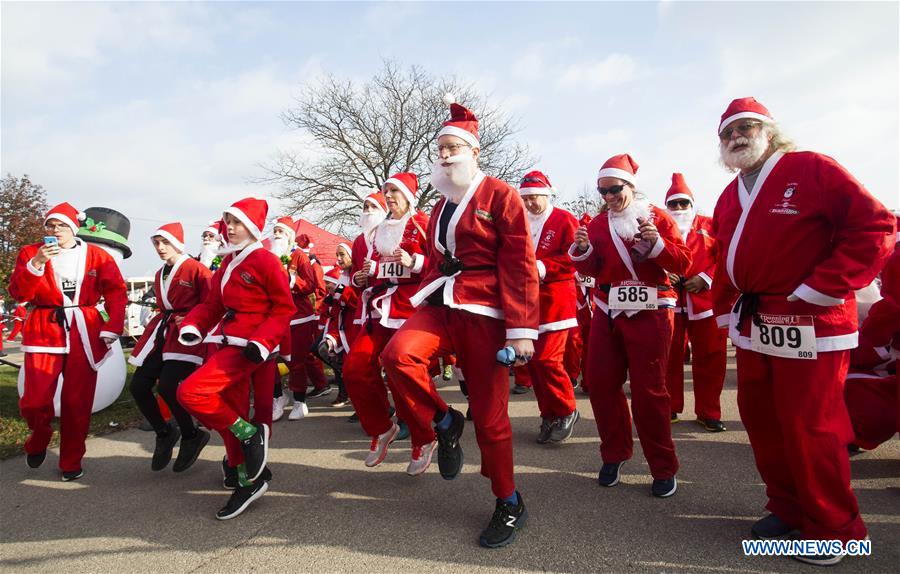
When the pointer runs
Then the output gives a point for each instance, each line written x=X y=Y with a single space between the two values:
x=749 y=303
x=451 y=266
x=229 y=316
x=164 y=323
x=59 y=313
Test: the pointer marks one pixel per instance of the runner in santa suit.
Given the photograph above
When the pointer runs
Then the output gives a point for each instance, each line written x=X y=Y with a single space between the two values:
x=796 y=234
x=18 y=318
x=552 y=230
x=248 y=314
x=181 y=284
x=65 y=333
x=694 y=318
x=340 y=330
x=481 y=285
x=315 y=370
x=393 y=270
x=211 y=243
x=584 y=313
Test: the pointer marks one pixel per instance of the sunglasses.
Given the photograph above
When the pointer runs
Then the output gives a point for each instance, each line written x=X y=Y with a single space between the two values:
x=533 y=180
x=743 y=128
x=611 y=190
x=682 y=203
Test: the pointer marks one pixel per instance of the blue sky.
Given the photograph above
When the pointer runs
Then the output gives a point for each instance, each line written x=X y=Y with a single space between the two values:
x=165 y=111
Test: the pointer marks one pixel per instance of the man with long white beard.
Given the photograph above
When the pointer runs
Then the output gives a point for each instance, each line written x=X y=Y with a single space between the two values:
x=552 y=231
x=481 y=286
x=374 y=211
x=393 y=270
x=211 y=243
x=796 y=234
x=694 y=319
x=627 y=249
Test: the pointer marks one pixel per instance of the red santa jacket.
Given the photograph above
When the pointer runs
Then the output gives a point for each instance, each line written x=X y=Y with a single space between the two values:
x=609 y=260
x=388 y=300
x=19 y=313
x=186 y=287
x=882 y=325
x=703 y=263
x=249 y=302
x=489 y=235
x=807 y=229
x=555 y=270
x=53 y=314
x=304 y=287
x=340 y=327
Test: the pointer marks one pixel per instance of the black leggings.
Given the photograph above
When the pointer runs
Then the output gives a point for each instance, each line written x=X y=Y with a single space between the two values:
x=169 y=374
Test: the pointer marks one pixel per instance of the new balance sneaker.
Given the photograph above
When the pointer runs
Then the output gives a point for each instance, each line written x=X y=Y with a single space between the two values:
x=379 y=447
x=711 y=425
x=256 y=451
x=299 y=411
x=162 y=454
x=241 y=498
x=278 y=407
x=316 y=393
x=562 y=428
x=450 y=453
x=189 y=450
x=229 y=475
x=664 y=487
x=37 y=459
x=772 y=527
x=420 y=458
x=543 y=436
x=70 y=475
x=507 y=518
x=610 y=473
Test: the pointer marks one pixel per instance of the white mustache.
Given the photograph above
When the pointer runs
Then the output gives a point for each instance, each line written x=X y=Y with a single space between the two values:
x=737 y=142
x=453 y=159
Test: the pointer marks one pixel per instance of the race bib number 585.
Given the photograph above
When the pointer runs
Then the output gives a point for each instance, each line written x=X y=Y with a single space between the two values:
x=789 y=336
x=632 y=296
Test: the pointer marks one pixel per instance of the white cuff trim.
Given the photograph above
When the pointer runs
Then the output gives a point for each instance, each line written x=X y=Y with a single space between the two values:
x=189 y=329
x=574 y=253
x=722 y=321
x=522 y=334
x=108 y=335
x=542 y=269
x=33 y=268
x=262 y=350
x=418 y=263
x=810 y=295
x=657 y=248
x=706 y=278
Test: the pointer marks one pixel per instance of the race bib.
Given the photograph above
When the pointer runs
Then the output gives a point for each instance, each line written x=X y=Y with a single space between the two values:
x=393 y=270
x=789 y=336
x=632 y=296
x=586 y=281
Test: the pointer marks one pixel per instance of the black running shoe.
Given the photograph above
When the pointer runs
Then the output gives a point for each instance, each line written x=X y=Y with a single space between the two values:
x=609 y=473
x=504 y=523
x=450 y=453
x=563 y=427
x=189 y=450
x=543 y=436
x=256 y=451
x=711 y=425
x=229 y=475
x=520 y=390
x=162 y=454
x=70 y=475
x=37 y=459
x=772 y=527
x=664 y=487
x=241 y=498
x=316 y=393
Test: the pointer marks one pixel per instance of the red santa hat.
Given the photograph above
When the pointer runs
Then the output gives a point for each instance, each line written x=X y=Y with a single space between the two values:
x=346 y=248
x=679 y=189
x=214 y=227
x=173 y=233
x=66 y=213
x=407 y=183
x=251 y=211
x=535 y=183
x=287 y=225
x=744 y=108
x=333 y=274
x=621 y=166
x=304 y=242
x=462 y=123
x=376 y=198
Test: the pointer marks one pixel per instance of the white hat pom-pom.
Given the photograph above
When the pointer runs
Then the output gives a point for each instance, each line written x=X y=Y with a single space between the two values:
x=449 y=99
x=81 y=216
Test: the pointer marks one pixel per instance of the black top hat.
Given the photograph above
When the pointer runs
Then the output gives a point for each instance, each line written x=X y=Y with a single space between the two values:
x=106 y=226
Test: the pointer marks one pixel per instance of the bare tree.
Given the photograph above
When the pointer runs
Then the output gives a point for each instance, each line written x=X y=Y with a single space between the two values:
x=362 y=134
x=587 y=201
x=22 y=208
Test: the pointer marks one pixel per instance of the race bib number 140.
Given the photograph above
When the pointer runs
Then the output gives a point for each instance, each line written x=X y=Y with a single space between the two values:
x=393 y=270
x=632 y=296
x=789 y=336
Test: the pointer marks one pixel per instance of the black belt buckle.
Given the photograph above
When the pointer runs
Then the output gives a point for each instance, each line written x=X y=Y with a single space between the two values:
x=450 y=265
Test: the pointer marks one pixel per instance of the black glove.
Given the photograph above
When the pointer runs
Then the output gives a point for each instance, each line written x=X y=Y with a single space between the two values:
x=190 y=338
x=253 y=354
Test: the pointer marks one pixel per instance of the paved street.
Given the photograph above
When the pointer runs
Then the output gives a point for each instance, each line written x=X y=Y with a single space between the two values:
x=326 y=512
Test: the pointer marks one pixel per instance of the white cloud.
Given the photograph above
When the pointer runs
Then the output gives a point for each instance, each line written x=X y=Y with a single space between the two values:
x=614 y=70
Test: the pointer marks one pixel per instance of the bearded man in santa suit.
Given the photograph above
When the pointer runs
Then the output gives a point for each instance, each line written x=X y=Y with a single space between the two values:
x=552 y=231
x=64 y=278
x=797 y=235
x=211 y=243
x=392 y=274
x=481 y=289
x=694 y=319
x=627 y=249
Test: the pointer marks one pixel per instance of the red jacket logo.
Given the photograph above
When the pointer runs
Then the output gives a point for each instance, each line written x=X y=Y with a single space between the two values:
x=247 y=278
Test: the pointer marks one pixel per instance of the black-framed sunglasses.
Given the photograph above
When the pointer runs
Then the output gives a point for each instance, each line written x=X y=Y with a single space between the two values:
x=680 y=203
x=532 y=180
x=611 y=190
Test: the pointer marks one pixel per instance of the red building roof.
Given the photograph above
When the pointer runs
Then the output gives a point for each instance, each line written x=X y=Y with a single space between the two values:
x=324 y=242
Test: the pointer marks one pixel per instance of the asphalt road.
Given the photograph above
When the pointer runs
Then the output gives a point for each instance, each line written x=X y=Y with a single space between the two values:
x=325 y=512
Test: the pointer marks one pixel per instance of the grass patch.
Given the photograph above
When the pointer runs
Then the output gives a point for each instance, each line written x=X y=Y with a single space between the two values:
x=123 y=413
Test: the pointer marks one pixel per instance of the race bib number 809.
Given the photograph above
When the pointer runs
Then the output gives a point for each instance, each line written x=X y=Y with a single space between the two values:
x=788 y=336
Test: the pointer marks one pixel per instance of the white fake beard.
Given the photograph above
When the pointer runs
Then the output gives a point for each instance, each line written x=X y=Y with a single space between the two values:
x=389 y=234
x=536 y=224
x=747 y=157
x=625 y=222
x=454 y=180
x=369 y=220
x=279 y=246
x=208 y=253
x=684 y=219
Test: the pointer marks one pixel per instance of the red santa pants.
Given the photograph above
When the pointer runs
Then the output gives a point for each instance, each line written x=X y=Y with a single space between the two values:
x=708 y=357
x=584 y=330
x=42 y=372
x=16 y=329
x=573 y=354
x=303 y=365
x=799 y=429
x=522 y=375
x=636 y=348
x=262 y=381
x=434 y=331
x=874 y=408
x=552 y=387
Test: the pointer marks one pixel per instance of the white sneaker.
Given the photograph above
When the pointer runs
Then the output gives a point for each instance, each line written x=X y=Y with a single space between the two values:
x=278 y=407
x=299 y=411
x=379 y=447
x=421 y=458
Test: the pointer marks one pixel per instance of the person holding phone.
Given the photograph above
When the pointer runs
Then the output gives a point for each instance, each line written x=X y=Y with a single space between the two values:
x=64 y=279
x=627 y=248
